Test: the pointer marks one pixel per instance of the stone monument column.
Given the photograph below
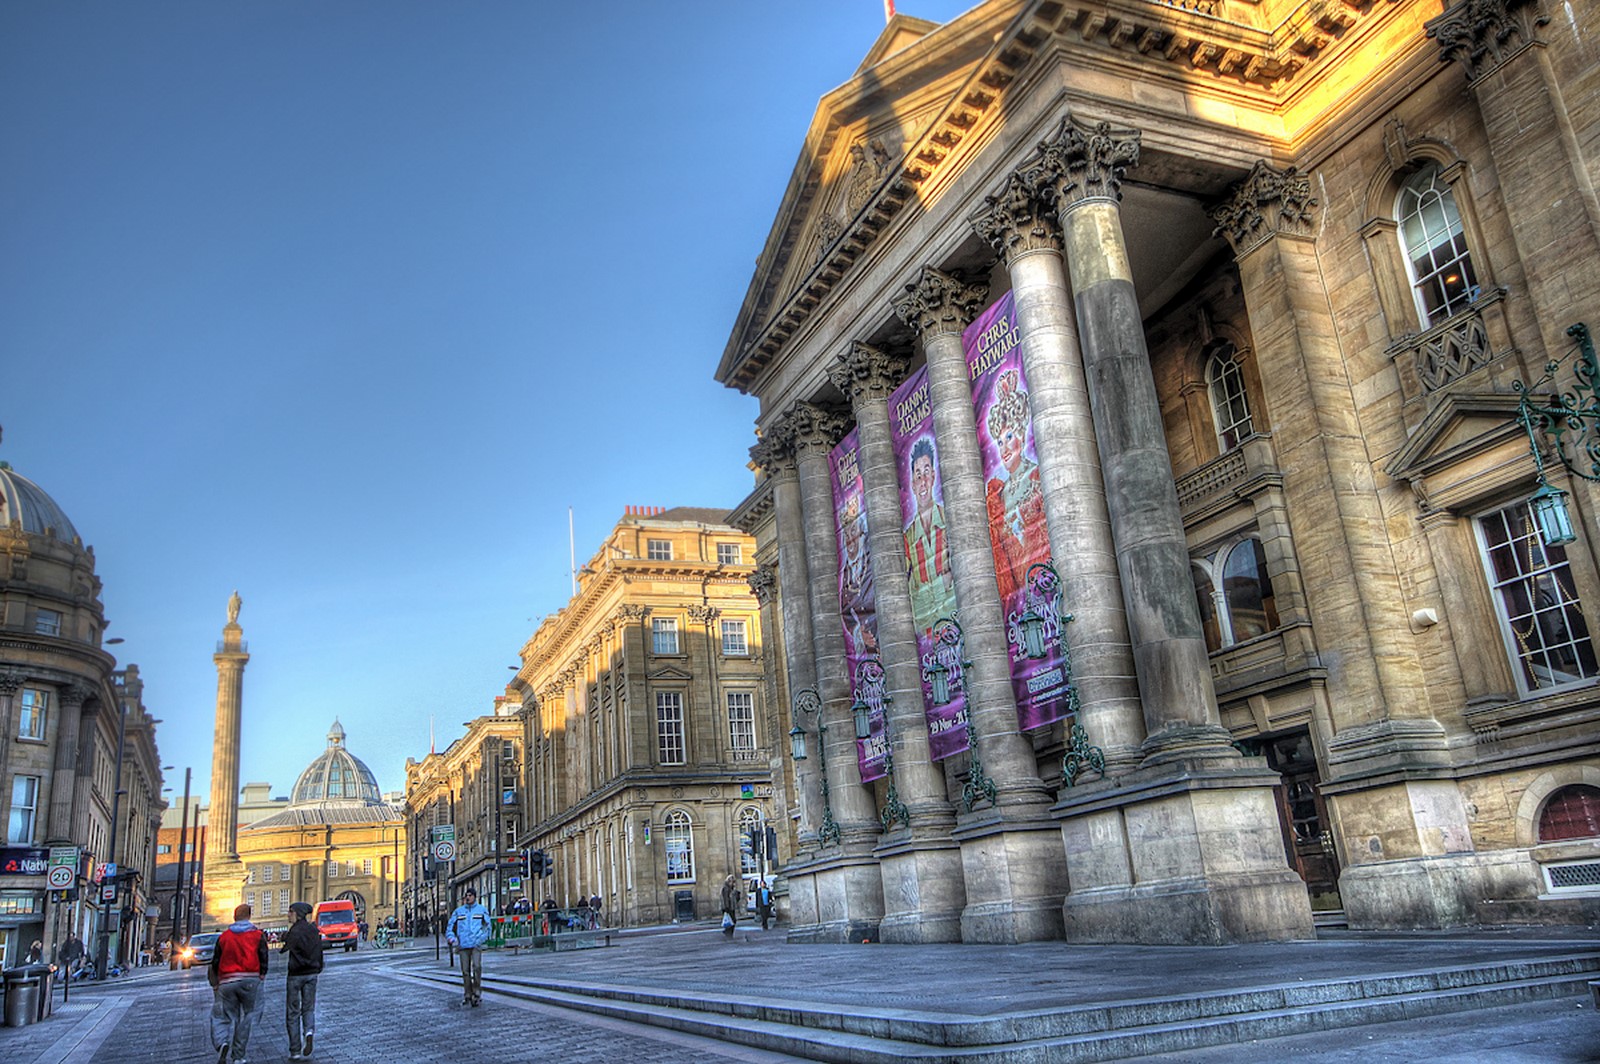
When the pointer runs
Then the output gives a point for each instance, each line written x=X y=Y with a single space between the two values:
x=1022 y=227
x=920 y=862
x=1011 y=855
x=1358 y=606
x=224 y=874
x=1189 y=848
x=849 y=888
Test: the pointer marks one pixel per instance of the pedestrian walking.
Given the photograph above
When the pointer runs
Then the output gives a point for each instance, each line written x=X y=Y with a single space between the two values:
x=303 y=945
x=35 y=952
x=731 y=898
x=763 y=903
x=594 y=912
x=237 y=972
x=467 y=931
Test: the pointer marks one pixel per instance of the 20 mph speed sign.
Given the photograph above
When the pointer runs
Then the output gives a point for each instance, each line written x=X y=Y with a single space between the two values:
x=444 y=850
x=61 y=877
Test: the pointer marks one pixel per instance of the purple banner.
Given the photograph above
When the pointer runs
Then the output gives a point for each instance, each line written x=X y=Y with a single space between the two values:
x=933 y=589
x=858 y=609
x=1015 y=501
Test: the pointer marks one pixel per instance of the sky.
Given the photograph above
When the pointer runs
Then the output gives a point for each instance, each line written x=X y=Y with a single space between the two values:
x=343 y=305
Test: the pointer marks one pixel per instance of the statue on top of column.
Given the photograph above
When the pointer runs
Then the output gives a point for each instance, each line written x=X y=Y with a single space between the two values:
x=234 y=602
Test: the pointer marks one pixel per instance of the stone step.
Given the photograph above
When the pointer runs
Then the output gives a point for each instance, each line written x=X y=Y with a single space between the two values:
x=1071 y=1033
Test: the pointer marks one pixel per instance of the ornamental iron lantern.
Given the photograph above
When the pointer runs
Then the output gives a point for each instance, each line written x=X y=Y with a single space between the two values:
x=1568 y=421
x=797 y=743
x=945 y=666
x=1040 y=620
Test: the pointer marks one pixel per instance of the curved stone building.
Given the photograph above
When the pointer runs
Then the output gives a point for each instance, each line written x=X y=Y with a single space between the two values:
x=63 y=705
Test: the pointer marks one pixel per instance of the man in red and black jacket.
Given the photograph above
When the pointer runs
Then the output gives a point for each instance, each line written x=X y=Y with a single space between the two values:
x=238 y=971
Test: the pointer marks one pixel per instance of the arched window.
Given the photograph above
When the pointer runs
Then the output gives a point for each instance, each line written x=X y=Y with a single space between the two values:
x=1252 y=610
x=1536 y=600
x=1230 y=408
x=749 y=820
x=680 y=847
x=1573 y=812
x=1435 y=245
x=1234 y=594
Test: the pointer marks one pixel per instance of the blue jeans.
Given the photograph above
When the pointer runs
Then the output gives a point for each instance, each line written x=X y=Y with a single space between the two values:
x=301 y=1010
x=231 y=1012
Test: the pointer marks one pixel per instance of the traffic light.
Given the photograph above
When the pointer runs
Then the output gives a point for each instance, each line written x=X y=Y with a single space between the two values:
x=772 y=844
x=750 y=843
x=547 y=865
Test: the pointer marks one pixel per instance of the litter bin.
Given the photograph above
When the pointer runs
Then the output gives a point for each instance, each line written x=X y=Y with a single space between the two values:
x=27 y=994
x=683 y=905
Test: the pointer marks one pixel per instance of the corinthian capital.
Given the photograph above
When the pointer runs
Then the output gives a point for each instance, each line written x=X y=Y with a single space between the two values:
x=867 y=374
x=1482 y=34
x=774 y=451
x=940 y=304
x=632 y=611
x=816 y=428
x=1084 y=161
x=1267 y=203
x=763 y=582
x=1017 y=219
x=10 y=680
x=74 y=694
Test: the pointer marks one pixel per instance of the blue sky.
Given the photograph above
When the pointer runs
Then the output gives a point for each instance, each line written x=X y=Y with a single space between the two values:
x=344 y=304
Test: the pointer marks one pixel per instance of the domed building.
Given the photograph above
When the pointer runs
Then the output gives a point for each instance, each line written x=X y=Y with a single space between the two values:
x=336 y=838
x=63 y=703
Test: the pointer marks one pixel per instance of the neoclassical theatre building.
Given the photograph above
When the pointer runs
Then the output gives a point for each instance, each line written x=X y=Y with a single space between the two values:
x=1144 y=507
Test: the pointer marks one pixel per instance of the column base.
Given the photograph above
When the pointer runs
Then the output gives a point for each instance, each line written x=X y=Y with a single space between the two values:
x=1015 y=876
x=923 y=891
x=835 y=899
x=223 y=876
x=1191 y=854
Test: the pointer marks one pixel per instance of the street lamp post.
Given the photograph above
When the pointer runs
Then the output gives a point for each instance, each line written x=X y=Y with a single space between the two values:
x=103 y=938
x=1569 y=420
x=808 y=703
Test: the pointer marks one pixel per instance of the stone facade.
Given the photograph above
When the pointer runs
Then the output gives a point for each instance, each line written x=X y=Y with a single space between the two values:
x=65 y=707
x=649 y=722
x=467 y=785
x=1276 y=271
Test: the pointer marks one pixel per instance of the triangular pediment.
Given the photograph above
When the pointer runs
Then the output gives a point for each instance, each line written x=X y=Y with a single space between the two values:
x=669 y=674
x=901 y=31
x=1459 y=427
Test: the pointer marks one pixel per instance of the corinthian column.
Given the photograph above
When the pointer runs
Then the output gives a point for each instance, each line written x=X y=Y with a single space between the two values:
x=1080 y=171
x=1011 y=853
x=775 y=455
x=921 y=863
x=816 y=431
x=1023 y=229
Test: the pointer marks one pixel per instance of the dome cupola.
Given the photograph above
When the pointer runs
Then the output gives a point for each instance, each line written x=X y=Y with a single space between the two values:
x=336 y=775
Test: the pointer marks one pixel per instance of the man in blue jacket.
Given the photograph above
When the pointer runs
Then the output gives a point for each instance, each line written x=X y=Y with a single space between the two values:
x=467 y=931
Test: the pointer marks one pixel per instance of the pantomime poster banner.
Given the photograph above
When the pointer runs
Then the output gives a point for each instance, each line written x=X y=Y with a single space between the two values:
x=1015 y=501
x=933 y=588
x=857 y=600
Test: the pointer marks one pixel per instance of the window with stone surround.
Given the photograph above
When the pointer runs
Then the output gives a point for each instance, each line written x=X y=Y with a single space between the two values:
x=333 y=869
x=658 y=550
x=735 y=644
x=669 y=727
x=730 y=554
x=678 y=833
x=1230 y=407
x=31 y=718
x=1234 y=593
x=663 y=635
x=749 y=822
x=742 y=724
x=24 y=809
x=1571 y=813
x=1536 y=602
x=47 y=622
x=1443 y=280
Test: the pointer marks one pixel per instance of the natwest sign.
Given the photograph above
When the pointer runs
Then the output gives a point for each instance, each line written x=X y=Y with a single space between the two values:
x=24 y=861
